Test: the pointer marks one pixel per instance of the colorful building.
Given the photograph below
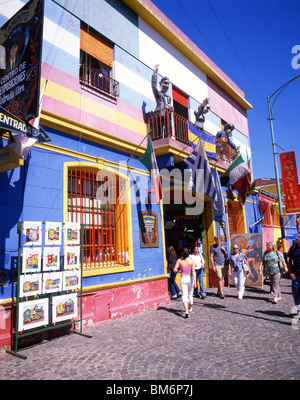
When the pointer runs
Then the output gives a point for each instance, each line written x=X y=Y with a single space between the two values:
x=98 y=59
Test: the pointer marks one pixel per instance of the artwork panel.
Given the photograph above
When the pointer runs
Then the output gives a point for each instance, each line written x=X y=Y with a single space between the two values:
x=33 y=314
x=32 y=233
x=64 y=307
x=71 y=233
x=72 y=257
x=53 y=233
x=30 y=285
x=52 y=282
x=51 y=259
x=71 y=280
x=31 y=259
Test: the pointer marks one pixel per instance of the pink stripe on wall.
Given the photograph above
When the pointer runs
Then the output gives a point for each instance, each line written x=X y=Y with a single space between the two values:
x=65 y=80
x=226 y=108
x=88 y=119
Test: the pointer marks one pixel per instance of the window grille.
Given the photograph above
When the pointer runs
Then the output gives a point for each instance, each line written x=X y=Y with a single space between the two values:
x=97 y=199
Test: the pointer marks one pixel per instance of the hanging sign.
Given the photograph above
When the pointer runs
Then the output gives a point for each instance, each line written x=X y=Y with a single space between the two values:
x=9 y=122
x=290 y=182
x=148 y=229
x=21 y=54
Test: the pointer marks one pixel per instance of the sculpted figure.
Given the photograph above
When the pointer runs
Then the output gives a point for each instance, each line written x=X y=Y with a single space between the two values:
x=226 y=134
x=163 y=101
x=202 y=109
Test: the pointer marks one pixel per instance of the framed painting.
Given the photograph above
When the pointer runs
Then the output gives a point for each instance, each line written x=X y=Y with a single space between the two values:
x=148 y=229
x=72 y=257
x=71 y=233
x=51 y=259
x=52 y=282
x=32 y=233
x=71 y=280
x=31 y=260
x=33 y=314
x=30 y=285
x=53 y=233
x=64 y=307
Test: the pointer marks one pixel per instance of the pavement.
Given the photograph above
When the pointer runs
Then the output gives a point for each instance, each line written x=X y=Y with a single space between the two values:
x=224 y=339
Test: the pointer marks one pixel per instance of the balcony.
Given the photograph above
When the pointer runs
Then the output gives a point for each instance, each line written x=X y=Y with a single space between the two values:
x=170 y=125
x=95 y=79
x=174 y=126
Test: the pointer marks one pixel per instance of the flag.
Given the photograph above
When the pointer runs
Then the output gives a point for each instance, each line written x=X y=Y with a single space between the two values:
x=21 y=145
x=209 y=141
x=218 y=201
x=251 y=189
x=239 y=177
x=197 y=161
x=149 y=160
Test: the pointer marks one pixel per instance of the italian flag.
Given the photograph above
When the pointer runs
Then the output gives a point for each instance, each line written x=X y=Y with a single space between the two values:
x=149 y=160
x=239 y=177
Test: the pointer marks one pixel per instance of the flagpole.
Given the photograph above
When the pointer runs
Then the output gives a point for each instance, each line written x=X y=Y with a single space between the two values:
x=137 y=148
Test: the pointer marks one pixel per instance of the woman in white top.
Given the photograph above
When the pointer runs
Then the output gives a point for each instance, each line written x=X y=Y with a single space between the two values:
x=199 y=268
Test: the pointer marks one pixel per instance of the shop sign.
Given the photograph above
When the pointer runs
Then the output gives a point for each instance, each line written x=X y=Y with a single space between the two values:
x=148 y=229
x=20 y=57
x=290 y=182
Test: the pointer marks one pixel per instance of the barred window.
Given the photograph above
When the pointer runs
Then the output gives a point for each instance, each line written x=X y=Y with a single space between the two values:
x=98 y=199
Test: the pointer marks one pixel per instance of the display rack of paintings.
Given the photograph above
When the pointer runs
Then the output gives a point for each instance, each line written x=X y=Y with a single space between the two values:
x=49 y=283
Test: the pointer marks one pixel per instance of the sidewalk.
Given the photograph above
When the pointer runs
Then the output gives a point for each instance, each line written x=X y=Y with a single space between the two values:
x=227 y=339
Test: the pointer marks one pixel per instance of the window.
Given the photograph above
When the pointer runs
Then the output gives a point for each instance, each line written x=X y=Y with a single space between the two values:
x=96 y=62
x=98 y=199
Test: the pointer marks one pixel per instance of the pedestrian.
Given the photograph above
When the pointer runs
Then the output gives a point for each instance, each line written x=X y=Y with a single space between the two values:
x=294 y=271
x=218 y=255
x=187 y=281
x=273 y=263
x=240 y=269
x=199 y=268
x=172 y=259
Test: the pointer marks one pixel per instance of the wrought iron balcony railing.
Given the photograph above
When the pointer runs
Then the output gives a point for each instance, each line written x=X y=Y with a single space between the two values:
x=167 y=124
x=97 y=80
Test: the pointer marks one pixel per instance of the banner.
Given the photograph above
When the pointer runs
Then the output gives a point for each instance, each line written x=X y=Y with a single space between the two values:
x=9 y=122
x=290 y=182
x=21 y=53
x=209 y=141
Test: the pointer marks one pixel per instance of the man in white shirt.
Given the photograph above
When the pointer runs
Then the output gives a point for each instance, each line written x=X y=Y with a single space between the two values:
x=199 y=268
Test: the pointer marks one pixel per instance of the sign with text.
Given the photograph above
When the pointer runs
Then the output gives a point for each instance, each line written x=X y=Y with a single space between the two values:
x=148 y=229
x=290 y=182
x=21 y=44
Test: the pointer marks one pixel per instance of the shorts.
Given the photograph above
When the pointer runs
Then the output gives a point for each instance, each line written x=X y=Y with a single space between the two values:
x=220 y=271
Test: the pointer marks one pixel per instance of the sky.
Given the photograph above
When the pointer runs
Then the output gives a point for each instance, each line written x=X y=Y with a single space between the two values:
x=253 y=42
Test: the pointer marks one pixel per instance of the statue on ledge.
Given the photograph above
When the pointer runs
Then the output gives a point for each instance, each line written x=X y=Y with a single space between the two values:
x=202 y=109
x=163 y=100
x=226 y=134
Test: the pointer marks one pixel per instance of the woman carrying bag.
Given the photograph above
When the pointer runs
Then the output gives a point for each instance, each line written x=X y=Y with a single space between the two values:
x=273 y=263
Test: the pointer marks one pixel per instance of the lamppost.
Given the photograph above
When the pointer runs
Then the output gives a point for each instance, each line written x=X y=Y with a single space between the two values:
x=271 y=118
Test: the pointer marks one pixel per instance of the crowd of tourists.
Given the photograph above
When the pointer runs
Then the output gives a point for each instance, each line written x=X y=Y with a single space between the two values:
x=191 y=265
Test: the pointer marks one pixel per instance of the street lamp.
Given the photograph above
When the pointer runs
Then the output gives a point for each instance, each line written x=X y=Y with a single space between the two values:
x=278 y=91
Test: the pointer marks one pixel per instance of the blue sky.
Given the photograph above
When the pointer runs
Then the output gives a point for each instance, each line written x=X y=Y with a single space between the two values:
x=252 y=42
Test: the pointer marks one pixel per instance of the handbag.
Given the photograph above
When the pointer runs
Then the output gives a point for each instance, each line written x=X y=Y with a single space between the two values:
x=280 y=262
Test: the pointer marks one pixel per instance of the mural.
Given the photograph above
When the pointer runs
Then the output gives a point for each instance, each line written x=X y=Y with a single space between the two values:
x=251 y=244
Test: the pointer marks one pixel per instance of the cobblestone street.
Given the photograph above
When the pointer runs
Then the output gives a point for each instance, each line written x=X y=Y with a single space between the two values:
x=251 y=339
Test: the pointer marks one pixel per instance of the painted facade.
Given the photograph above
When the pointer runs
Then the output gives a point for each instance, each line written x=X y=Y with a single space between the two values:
x=97 y=131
